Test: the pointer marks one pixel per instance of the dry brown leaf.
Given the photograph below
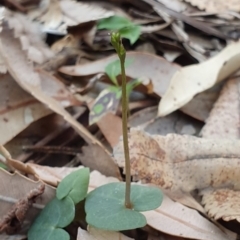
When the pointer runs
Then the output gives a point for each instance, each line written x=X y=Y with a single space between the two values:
x=222 y=203
x=18 y=109
x=174 y=123
x=57 y=15
x=49 y=175
x=30 y=36
x=98 y=234
x=175 y=219
x=94 y=158
x=202 y=103
x=156 y=71
x=175 y=5
x=111 y=127
x=20 y=186
x=155 y=75
x=3 y=68
x=216 y=6
x=223 y=121
x=11 y=222
x=30 y=80
x=198 y=78
x=5 y=236
x=171 y=161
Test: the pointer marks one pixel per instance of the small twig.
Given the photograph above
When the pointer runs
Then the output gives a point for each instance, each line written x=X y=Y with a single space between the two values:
x=52 y=149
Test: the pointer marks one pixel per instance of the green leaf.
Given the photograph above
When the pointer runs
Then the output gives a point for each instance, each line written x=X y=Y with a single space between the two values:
x=126 y=28
x=132 y=33
x=2 y=165
x=131 y=85
x=145 y=198
x=114 y=23
x=107 y=101
x=105 y=206
x=113 y=69
x=74 y=185
x=56 y=215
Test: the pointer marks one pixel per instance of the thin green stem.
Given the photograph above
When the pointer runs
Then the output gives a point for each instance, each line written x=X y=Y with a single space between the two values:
x=125 y=136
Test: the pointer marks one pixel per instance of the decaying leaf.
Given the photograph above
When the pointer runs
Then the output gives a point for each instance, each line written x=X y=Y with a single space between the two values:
x=175 y=122
x=175 y=219
x=107 y=102
x=94 y=158
x=58 y=15
x=223 y=121
x=111 y=127
x=157 y=71
x=20 y=187
x=97 y=234
x=12 y=221
x=222 y=203
x=30 y=80
x=18 y=109
x=216 y=6
x=30 y=36
x=171 y=161
x=199 y=77
x=155 y=76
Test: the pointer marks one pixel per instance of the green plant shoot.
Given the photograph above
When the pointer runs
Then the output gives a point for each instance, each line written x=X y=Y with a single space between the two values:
x=109 y=99
x=125 y=27
x=117 y=206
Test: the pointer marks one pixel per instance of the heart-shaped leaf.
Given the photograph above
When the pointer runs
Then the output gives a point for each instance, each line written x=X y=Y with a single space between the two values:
x=106 y=210
x=74 y=185
x=56 y=215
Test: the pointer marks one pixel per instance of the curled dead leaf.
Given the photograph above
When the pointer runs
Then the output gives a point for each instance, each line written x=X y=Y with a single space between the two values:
x=171 y=161
x=198 y=78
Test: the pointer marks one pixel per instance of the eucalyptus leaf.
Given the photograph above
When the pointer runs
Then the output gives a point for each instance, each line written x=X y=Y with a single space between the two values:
x=106 y=210
x=113 y=23
x=56 y=215
x=74 y=185
x=126 y=28
x=132 y=33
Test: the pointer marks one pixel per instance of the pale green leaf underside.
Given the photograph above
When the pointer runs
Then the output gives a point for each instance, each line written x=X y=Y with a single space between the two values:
x=74 y=185
x=56 y=215
x=105 y=206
